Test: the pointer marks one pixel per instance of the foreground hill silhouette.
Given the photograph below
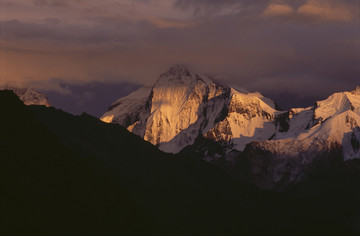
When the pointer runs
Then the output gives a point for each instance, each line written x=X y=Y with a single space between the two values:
x=84 y=177
x=47 y=189
x=75 y=175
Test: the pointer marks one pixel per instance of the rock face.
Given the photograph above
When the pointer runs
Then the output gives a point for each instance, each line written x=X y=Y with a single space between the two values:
x=243 y=131
x=181 y=106
x=29 y=96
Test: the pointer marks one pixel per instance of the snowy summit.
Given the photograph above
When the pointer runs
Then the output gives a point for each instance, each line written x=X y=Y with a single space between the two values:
x=29 y=96
x=182 y=105
x=184 y=109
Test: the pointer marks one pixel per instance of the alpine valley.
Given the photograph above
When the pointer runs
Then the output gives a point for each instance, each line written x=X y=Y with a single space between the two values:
x=245 y=133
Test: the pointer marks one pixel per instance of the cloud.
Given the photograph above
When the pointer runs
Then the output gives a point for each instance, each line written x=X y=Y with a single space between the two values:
x=213 y=8
x=52 y=20
x=325 y=11
x=52 y=3
x=93 y=98
x=276 y=9
x=101 y=30
x=259 y=45
x=164 y=23
x=313 y=10
x=214 y=3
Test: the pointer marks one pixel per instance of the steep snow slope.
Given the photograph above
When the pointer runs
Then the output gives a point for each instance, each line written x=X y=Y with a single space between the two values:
x=29 y=96
x=178 y=98
x=307 y=138
x=317 y=138
x=171 y=112
x=182 y=106
x=184 y=109
x=328 y=119
x=128 y=109
x=249 y=119
x=337 y=104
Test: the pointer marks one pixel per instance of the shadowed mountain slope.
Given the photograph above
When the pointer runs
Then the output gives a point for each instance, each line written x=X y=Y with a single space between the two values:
x=47 y=189
x=75 y=175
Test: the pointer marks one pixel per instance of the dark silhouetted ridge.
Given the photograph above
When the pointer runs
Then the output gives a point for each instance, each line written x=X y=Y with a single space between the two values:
x=75 y=175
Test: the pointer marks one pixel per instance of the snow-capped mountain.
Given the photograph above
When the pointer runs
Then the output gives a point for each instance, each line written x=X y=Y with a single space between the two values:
x=330 y=120
x=305 y=140
x=29 y=96
x=181 y=106
x=275 y=147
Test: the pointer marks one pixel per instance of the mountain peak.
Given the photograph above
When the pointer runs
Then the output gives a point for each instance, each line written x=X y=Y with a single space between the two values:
x=356 y=91
x=178 y=76
x=28 y=95
x=183 y=106
x=178 y=69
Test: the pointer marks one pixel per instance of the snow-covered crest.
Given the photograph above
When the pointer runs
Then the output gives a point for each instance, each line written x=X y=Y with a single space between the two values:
x=29 y=96
x=307 y=138
x=182 y=106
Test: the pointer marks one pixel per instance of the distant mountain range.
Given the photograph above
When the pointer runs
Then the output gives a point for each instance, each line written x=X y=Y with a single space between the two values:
x=184 y=111
x=62 y=174
x=244 y=133
x=29 y=96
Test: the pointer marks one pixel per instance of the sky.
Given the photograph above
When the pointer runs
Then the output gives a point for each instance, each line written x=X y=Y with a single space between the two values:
x=293 y=51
